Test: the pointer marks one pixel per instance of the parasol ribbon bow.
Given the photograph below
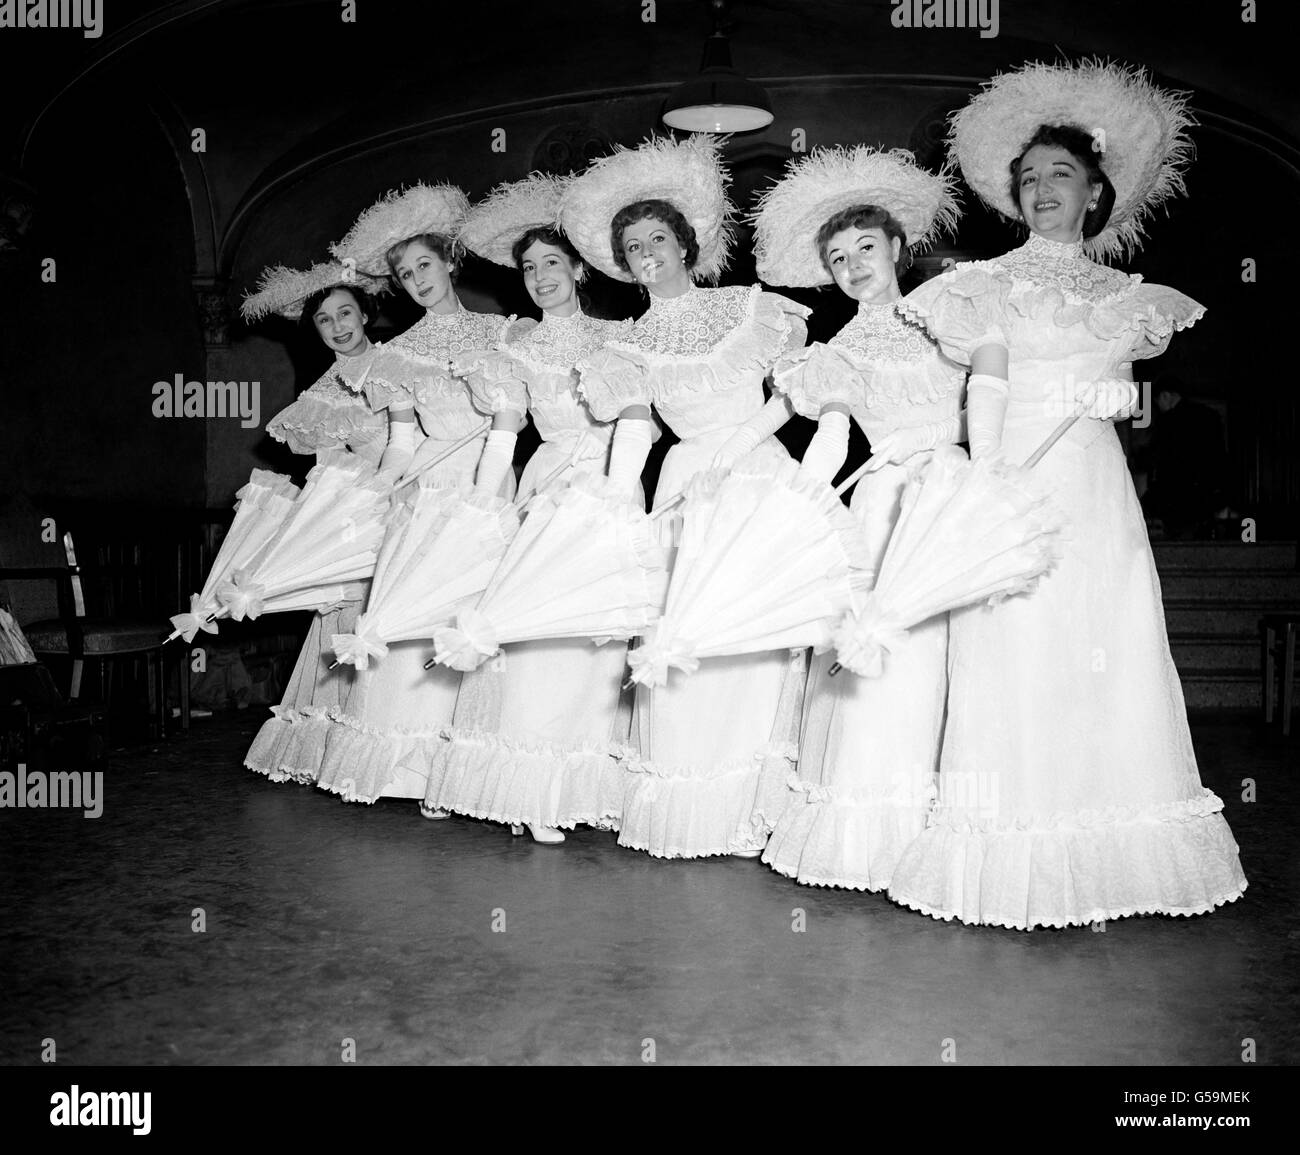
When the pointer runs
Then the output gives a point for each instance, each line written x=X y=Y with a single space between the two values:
x=862 y=639
x=357 y=649
x=199 y=618
x=466 y=645
x=649 y=662
x=243 y=598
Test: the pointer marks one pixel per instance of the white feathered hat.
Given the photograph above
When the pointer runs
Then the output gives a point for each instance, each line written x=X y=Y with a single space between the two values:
x=828 y=180
x=402 y=213
x=688 y=174
x=1139 y=129
x=283 y=290
x=510 y=210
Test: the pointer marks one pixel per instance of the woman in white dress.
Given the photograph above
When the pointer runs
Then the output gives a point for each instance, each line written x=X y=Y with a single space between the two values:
x=541 y=750
x=389 y=735
x=1069 y=791
x=713 y=749
x=327 y=420
x=869 y=747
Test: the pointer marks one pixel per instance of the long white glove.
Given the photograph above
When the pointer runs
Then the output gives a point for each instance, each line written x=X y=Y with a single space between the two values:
x=498 y=453
x=829 y=447
x=896 y=447
x=628 y=452
x=399 y=450
x=754 y=432
x=986 y=410
x=1112 y=399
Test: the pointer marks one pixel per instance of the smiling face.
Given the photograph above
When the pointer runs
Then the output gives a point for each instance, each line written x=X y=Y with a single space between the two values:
x=424 y=274
x=655 y=258
x=550 y=276
x=341 y=324
x=864 y=264
x=1054 y=192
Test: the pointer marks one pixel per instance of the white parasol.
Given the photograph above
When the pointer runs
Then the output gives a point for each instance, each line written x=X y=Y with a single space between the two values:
x=769 y=559
x=967 y=532
x=326 y=544
x=585 y=564
x=442 y=548
x=260 y=508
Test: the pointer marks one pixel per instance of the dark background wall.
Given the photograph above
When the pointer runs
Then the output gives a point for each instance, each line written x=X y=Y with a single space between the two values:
x=309 y=119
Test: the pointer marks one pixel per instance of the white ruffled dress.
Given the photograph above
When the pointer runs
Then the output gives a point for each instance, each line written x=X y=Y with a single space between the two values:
x=1068 y=788
x=540 y=744
x=387 y=738
x=712 y=750
x=326 y=420
x=869 y=747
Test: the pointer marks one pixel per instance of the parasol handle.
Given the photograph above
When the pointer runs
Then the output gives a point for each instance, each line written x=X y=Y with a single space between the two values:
x=568 y=463
x=446 y=453
x=668 y=506
x=177 y=633
x=853 y=478
x=1052 y=438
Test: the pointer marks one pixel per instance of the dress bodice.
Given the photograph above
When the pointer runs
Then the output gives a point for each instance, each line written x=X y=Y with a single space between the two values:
x=699 y=358
x=883 y=366
x=329 y=416
x=534 y=370
x=414 y=370
x=1065 y=320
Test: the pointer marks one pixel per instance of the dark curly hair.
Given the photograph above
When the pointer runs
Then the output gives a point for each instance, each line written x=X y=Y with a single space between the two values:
x=365 y=302
x=548 y=235
x=444 y=246
x=1079 y=143
x=659 y=211
x=864 y=217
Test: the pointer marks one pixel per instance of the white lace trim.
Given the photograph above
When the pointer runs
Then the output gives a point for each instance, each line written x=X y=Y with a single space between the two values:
x=694 y=324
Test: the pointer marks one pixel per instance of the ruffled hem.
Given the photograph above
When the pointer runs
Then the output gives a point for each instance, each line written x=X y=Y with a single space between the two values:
x=695 y=812
x=485 y=775
x=1200 y=805
x=1072 y=876
x=364 y=763
x=290 y=745
x=974 y=304
x=622 y=374
x=853 y=843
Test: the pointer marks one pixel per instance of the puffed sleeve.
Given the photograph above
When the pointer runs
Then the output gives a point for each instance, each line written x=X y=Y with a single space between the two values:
x=1158 y=312
x=817 y=376
x=613 y=378
x=784 y=317
x=387 y=375
x=326 y=417
x=496 y=380
x=963 y=309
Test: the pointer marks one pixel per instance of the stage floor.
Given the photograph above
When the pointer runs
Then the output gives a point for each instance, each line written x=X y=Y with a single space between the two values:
x=326 y=921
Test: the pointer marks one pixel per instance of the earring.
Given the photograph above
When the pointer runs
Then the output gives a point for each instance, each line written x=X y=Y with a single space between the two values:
x=1092 y=204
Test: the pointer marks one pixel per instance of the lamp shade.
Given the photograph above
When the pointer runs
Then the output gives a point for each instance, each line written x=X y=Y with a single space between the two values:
x=719 y=99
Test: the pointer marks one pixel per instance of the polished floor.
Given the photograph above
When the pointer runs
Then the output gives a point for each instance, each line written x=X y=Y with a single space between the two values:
x=325 y=921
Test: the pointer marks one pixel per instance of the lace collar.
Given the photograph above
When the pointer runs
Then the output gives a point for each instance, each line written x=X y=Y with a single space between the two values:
x=1048 y=264
x=695 y=323
x=880 y=334
x=559 y=343
x=444 y=335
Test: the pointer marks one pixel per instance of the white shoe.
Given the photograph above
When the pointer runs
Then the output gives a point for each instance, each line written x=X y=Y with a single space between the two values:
x=545 y=834
x=747 y=853
x=430 y=812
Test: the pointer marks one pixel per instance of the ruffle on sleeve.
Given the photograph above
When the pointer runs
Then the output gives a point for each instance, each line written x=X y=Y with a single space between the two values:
x=613 y=378
x=326 y=417
x=817 y=376
x=395 y=378
x=1154 y=314
x=962 y=309
x=496 y=380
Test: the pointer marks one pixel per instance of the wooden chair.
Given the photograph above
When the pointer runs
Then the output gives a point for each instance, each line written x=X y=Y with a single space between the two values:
x=101 y=640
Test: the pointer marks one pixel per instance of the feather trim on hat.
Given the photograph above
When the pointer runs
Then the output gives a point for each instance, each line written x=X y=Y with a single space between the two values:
x=829 y=180
x=283 y=290
x=398 y=215
x=688 y=174
x=510 y=210
x=1140 y=130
